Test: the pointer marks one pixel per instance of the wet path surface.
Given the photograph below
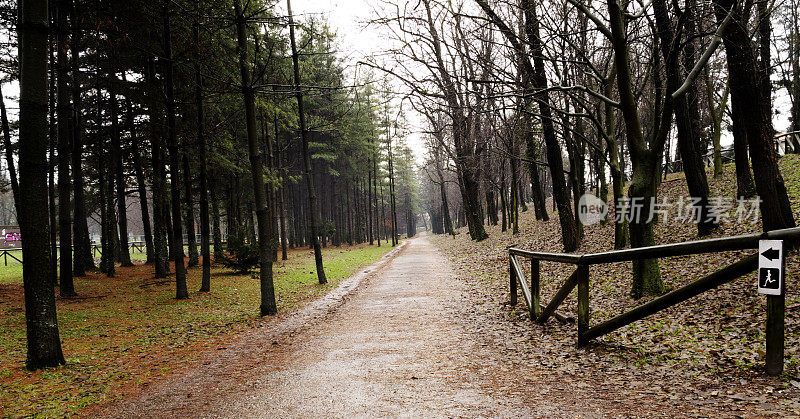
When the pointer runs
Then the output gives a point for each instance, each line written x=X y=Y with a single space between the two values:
x=398 y=338
x=395 y=348
x=405 y=338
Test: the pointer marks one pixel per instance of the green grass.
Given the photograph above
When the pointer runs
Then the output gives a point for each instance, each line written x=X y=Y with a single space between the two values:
x=11 y=270
x=128 y=330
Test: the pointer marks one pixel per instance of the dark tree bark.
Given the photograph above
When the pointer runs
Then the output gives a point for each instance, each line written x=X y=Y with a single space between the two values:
x=466 y=156
x=205 y=230
x=308 y=175
x=539 y=207
x=160 y=232
x=44 y=344
x=281 y=197
x=685 y=108
x=717 y=114
x=118 y=167
x=64 y=110
x=369 y=198
x=83 y=259
x=620 y=224
x=51 y=182
x=109 y=219
x=488 y=191
x=569 y=230
x=265 y=227
x=645 y=158
x=141 y=183
x=349 y=214
x=745 y=185
x=215 y=217
x=448 y=222
x=107 y=245
x=191 y=235
x=181 y=292
x=538 y=79
x=514 y=188
x=503 y=204
x=391 y=186
x=752 y=103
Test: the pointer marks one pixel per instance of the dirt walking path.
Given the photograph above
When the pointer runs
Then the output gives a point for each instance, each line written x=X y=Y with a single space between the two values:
x=389 y=341
x=402 y=338
x=396 y=348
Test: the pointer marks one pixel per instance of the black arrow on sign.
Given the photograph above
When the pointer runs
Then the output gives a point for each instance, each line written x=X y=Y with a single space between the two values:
x=771 y=254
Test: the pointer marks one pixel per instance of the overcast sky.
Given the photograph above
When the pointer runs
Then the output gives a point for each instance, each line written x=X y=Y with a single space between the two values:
x=358 y=41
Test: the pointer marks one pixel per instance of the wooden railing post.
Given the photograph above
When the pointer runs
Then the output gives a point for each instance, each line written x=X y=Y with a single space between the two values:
x=583 y=304
x=513 y=277
x=776 y=307
x=536 y=308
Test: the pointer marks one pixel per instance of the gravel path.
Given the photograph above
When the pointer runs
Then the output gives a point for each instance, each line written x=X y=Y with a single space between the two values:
x=396 y=348
x=404 y=337
x=392 y=340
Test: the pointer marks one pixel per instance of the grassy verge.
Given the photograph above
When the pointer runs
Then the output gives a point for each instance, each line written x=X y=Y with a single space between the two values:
x=129 y=330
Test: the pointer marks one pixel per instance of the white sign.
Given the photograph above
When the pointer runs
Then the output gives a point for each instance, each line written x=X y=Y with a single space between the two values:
x=770 y=267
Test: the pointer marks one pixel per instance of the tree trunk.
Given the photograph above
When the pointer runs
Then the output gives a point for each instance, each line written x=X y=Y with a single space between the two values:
x=205 y=230
x=569 y=230
x=281 y=198
x=265 y=227
x=215 y=218
x=686 y=114
x=181 y=292
x=745 y=185
x=514 y=190
x=160 y=233
x=64 y=110
x=83 y=259
x=110 y=249
x=539 y=207
x=118 y=168
x=644 y=182
x=391 y=188
x=503 y=205
x=309 y=177
x=717 y=114
x=750 y=97
x=141 y=184
x=53 y=136
x=467 y=157
x=191 y=234
x=44 y=344
x=106 y=242
x=488 y=191
x=349 y=216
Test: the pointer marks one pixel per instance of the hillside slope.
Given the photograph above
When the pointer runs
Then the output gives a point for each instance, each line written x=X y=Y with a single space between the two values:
x=716 y=340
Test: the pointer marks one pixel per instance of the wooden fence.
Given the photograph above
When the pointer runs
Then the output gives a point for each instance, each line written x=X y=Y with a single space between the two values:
x=580 y=279
x=137 y=245
x=10 y=253
x=16 y=253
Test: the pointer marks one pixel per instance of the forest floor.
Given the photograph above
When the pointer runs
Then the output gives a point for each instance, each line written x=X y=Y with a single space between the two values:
x=410 y=338
x=126 y=332
x=705 y=355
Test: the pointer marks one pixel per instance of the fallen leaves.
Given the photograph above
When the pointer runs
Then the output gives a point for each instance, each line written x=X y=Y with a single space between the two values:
x=689 y=351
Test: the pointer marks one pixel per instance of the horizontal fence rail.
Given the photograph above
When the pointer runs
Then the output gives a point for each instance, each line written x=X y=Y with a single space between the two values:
x=95 y=249
x=580 y=279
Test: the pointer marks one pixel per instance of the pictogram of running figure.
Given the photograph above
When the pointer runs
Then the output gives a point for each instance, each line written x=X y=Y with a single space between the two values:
x=768 y=280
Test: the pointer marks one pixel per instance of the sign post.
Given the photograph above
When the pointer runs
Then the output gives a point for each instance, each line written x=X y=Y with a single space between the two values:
x=771 y=283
